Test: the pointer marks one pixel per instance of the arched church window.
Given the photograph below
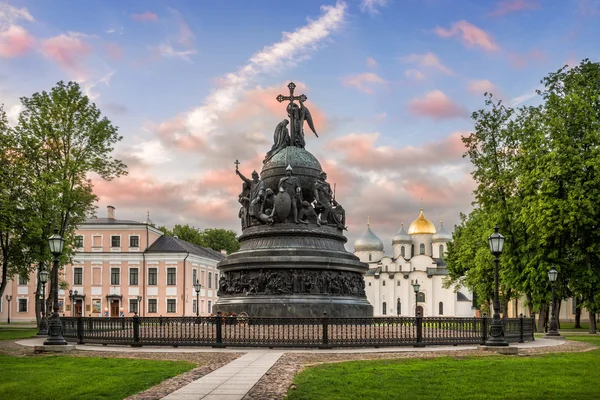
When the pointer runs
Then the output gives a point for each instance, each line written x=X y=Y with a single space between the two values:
x=369 y=256
x=398 y=307
x=384 y=308
x=398 y=283
x=441 y=308
x=422 y=248
x=383 y=283
x=402 y=252
x=421 y=297
x=441 y=251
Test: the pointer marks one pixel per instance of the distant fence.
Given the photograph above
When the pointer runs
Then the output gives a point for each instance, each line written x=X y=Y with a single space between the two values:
x=290 y=332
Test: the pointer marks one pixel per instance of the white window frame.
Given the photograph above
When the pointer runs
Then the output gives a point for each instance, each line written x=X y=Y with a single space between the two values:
x=148 y=306
x=129 y=275
x=120 y=280
x=129 y=242
x=148 y=276
x=194 y=272
x=101 y=247
x=26 y=304
x=194 y=306
x=167 y=275
x=82 y=242
x=73 y=275
x=167 y=305
x=19 y=280
x=209 y=277
x=120 y=242
x=209 y=306
x=137 y=304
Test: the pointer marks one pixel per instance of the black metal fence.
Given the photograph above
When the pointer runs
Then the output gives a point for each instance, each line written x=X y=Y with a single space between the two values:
x=290 y=332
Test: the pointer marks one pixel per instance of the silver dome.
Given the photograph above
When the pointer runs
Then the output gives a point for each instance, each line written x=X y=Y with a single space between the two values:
x=402 y=236
x=368 y=242
x=441 y=234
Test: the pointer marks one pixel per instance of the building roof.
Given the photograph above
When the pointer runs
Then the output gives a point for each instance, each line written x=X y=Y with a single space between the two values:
x=368 y=241
x=110 y=221
x=421 y=225
x=401 y=236
x=169 y=244
x=460 y=296
x=442 y=235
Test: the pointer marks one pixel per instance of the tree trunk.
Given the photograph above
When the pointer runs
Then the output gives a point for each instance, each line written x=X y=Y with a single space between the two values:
x=529 y=304
x=592 y=323
x=577 y=313
x=542 y=318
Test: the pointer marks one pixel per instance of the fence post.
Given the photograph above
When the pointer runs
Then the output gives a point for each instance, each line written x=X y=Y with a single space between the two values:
x=136 y=331
x=484 y=328
x=325 y=339
x=521 y=328
x=80 y=330
x=218 y=320
x=419 y=321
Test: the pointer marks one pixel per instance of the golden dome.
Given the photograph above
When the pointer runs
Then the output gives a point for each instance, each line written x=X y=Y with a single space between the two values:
x=421 y=225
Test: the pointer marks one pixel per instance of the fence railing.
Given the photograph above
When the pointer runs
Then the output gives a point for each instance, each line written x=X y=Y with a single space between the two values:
x=325 y=332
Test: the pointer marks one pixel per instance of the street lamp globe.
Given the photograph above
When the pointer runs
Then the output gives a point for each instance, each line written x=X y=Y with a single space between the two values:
x=496 y=241
x=44 y=277
x=56 y=243
x=197 y=286
x=416 y=286
x=552 y=275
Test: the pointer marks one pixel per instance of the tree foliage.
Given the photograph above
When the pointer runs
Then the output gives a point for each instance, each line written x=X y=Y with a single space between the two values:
x=537 y=177
x=214 y=238
x=59 y=140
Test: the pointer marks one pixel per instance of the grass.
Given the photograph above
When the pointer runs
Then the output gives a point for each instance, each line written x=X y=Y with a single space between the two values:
x=549 y=376
x=13 y=334
x=63 y=377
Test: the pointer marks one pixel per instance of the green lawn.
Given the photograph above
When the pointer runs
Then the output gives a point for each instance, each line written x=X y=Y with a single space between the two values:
x=63 y=377
x=551 y=376
x=13 y=334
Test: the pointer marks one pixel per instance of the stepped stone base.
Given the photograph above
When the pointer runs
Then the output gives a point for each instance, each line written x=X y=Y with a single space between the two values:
x=54 y=348
x=500 y=349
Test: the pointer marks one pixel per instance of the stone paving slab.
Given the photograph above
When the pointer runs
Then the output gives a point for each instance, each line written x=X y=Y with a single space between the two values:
x=232 y=381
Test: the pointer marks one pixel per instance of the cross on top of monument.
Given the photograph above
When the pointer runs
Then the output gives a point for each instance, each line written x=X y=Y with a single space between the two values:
x=292 y=86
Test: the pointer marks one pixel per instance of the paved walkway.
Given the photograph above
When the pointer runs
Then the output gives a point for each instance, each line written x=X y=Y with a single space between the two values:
x=230 y=382
x=234 y=380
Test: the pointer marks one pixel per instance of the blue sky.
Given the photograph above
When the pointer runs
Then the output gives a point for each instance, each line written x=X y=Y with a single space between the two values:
x=191 y=85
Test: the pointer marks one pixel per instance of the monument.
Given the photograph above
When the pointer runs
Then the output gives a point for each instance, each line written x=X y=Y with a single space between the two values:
x=292 y=261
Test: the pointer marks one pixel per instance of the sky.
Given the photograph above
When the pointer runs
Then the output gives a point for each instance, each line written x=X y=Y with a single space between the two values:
x=391 y=85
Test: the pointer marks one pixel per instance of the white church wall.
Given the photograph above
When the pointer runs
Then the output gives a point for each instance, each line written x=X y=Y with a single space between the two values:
x=436 y=249
x=424 y=239
x=397 y=248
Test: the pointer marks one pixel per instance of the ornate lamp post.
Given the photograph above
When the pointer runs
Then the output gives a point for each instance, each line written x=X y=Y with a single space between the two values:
x=55 y=336
x=496 y=338
x=416 y=287
x=43 y=329
x=139 y=299
x=197 y=287
x=8 y=299
x=552 y=275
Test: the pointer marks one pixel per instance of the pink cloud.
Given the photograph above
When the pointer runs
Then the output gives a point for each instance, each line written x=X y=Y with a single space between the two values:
x=371 y=63
x=522 y=60
x=436 y=104
x=427 y=60
x=114 y=51
x=360 y=150
x=68 y=51
x=15 y=41
x=481 y=86
x=185 y=36
x=507 y=6
x=414 y=74
x=363 y=82
x=469 y=34
x=145 y=17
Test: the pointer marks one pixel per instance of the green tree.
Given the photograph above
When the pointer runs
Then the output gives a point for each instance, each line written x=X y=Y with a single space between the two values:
x=213 y=238
x=61 y=139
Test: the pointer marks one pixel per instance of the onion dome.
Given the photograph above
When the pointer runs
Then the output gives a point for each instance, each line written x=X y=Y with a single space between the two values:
x=442 y=235
x=368 y=241
x=401 y=236
x=148 y=221
x=421 y=225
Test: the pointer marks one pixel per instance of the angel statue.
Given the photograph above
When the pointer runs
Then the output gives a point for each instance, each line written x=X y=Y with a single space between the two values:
x=281 y=139
x=298 y=114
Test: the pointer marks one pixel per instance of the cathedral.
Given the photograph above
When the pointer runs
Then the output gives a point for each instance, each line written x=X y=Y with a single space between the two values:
x=417 y=259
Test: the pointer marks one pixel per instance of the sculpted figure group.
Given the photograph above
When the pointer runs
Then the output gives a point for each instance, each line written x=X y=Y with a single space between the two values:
x=262 y=206
x=295 y=281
